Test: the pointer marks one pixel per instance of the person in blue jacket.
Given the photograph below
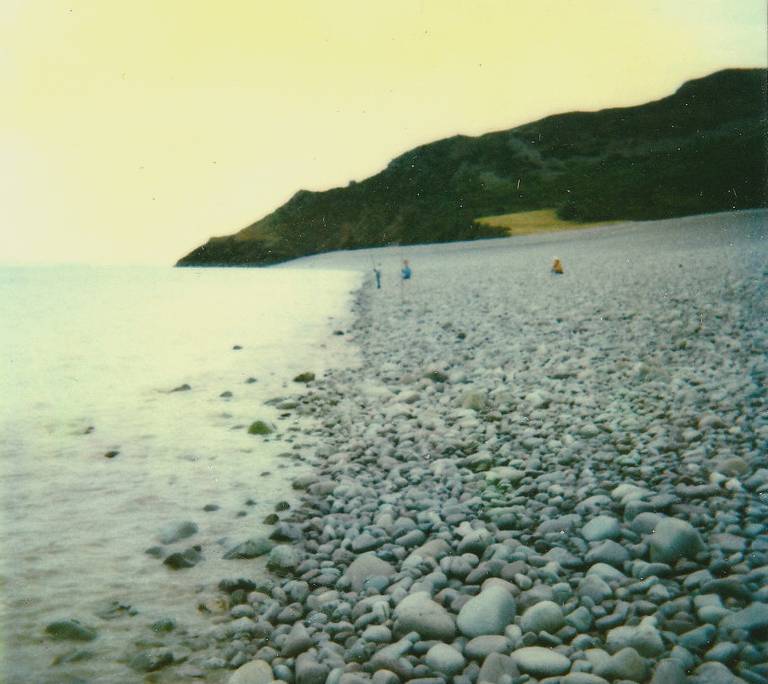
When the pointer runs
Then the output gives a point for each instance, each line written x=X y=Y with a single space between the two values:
x=406 y=272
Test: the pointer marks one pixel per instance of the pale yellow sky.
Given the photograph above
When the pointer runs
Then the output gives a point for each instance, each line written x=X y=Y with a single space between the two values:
x=130 y=132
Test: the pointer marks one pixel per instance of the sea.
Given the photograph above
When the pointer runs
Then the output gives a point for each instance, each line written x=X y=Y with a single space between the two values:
x=98 y=453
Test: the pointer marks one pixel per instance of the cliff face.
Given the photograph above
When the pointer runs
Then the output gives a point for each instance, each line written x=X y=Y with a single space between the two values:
x=702 y=149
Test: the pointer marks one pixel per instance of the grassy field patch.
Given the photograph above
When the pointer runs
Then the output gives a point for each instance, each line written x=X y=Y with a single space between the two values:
x=532 y=222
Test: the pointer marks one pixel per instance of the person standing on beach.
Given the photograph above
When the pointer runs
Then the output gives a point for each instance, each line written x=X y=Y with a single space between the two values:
x=406 y=271
x=377 y=275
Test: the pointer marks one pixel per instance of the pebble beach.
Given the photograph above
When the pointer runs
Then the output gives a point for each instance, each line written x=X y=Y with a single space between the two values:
x=526 y=477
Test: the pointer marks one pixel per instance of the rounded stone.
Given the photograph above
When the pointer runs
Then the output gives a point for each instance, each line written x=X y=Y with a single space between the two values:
x=255 y=672
x=674 y=539
x=541 y=662
x=487 y=613
x=601 y=527
x=419 y=613
x=445 y=659
x=545 y=616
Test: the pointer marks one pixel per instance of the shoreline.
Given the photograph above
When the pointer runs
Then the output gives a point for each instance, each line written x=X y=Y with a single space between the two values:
x=486 y=513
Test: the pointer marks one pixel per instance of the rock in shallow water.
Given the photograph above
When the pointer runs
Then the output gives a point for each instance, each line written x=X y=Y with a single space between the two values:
x=151 y=660
x=177 y=531
x=252 y=548
x=185 y=559
x=72 y=630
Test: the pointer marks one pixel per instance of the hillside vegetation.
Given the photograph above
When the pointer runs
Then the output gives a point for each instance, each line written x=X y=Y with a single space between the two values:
x=700 y=150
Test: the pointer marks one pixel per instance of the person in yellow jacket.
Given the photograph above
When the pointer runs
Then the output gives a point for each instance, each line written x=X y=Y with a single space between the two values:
x=557 y=266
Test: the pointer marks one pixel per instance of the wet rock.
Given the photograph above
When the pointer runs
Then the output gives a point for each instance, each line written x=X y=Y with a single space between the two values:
x=182 y=388
x=185 y=559
x=177 y=531
x=75 y=656
x=163 y=626
x=71 y=630
x=304 y=377
x=259 y=427
x=252 y=548
x=151 y=660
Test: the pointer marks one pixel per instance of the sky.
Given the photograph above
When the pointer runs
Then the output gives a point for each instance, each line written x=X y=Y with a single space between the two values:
x=131 y=132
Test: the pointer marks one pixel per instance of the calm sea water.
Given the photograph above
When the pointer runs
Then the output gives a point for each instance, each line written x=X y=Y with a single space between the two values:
x=89 y=356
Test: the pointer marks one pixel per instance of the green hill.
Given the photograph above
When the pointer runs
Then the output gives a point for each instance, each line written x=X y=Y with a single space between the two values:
x=702 y=149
